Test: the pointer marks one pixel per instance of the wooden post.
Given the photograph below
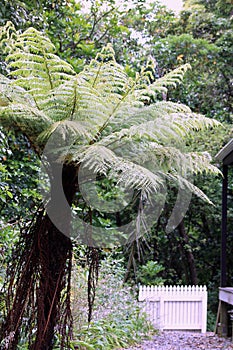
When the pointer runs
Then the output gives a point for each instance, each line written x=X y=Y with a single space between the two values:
x=223 y=320
x=224 y=227
x=217 y=323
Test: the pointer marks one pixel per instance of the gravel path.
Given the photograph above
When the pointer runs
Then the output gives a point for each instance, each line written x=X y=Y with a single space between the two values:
x=185 y=341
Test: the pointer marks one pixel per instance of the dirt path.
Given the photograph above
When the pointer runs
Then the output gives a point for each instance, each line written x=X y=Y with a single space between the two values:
x=185 y=341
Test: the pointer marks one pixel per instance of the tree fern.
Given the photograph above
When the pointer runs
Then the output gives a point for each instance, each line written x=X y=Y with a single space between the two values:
x=102 y=108
x=101 y=120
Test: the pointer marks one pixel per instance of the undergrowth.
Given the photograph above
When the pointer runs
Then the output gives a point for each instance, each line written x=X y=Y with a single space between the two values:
x=117 y=319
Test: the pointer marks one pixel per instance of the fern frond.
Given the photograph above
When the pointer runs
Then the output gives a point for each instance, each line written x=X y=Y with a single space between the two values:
x=199 y=163
x=34 y=65
x=28 y=120
x=8 y=35
x=103 y=73
x=67 y=129
x=172 y=158
x=102 y=160
x=172 y=78
x=191 y=121
x=77 y=100
x=10 y=93
x=121 y=92
x=167 y=107
x=183 y=183
x=128 y=114
x=148 y=92
x=161 y=128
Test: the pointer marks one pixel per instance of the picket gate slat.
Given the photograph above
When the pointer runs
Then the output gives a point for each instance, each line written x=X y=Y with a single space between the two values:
x=175 y=307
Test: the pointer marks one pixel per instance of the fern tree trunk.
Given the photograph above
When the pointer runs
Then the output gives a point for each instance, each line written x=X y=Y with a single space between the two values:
x=39 y=278
x=54 y=255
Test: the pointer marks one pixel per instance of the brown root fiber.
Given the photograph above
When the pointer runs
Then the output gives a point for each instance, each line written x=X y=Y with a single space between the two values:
x=93 y=264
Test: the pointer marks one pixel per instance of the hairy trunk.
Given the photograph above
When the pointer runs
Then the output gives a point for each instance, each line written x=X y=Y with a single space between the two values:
x=54 y=252
x=38 y=278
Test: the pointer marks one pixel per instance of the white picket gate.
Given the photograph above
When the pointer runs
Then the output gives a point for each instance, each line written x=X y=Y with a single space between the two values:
x=175 y=307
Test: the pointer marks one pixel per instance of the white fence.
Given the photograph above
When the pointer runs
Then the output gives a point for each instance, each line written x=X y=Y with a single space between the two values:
x=175 y=307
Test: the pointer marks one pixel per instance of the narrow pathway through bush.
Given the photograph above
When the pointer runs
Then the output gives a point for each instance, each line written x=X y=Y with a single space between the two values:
x=170 y=340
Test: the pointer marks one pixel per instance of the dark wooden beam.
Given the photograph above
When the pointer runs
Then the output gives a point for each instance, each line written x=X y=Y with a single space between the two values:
x=224 y=228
